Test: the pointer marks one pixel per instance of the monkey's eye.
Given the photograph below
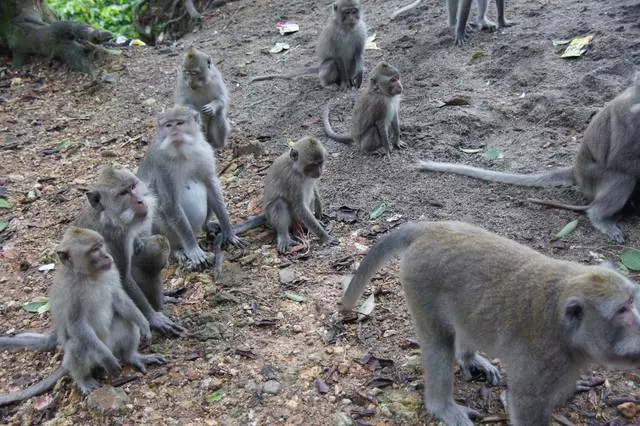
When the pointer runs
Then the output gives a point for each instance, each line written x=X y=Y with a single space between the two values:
x=623 y=310
x=179 y=123
x=167 y=125
x=209 y=62
x=133 y=186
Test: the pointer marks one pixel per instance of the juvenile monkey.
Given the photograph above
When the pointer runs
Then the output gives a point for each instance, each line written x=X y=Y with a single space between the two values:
x=150 y=256
x=606 y=168
x=340 y=49
x=375 y=121
x=97 y=324
x=547 y=319
x=180 y=168
x=200 y=86
x=458 y=11
x=121 y=209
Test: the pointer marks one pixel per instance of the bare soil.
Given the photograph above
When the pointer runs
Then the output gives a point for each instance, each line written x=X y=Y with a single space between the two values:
x=57 y=128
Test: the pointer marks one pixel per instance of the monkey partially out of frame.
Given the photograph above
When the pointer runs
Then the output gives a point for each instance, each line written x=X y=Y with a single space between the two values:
x=97 y=324
x=606 y=169
x=375 y=121
x=469 y=289
x=340 y=49
x=180 y=168
x=200 y=85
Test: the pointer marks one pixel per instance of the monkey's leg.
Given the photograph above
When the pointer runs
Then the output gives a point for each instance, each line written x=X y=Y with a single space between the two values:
x=462 y=30
x=317 y=204
x=452 y=9
x=279 y=216
x=79 y=361
x=217 y=130
x=481 y=20
x=359 y=70
x=395 y=132
x=534 y=405
x=612 y=193
x=502 y=22
x=370 y=141
x=473 y=363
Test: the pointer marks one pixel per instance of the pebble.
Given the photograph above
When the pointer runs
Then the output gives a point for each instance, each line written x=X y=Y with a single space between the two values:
x=271 y=386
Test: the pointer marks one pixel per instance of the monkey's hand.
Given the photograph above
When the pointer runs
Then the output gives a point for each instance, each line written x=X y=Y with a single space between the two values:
x=401 y=145
x=233 y=239
x=110 y=363
x=164 y=325
x=211 y=108
x=145 y=331
x=194 y=258
x=139 y=361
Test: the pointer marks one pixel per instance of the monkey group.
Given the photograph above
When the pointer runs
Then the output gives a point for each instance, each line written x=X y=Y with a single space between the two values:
x=467 y=289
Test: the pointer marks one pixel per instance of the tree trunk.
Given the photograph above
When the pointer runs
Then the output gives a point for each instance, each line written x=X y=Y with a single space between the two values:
x=29 y=28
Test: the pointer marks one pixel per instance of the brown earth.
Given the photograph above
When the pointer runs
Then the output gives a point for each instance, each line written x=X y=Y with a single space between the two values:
x=523 y=100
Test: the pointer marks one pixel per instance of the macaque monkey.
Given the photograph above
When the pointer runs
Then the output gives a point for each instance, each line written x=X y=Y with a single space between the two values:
x=200 y=86
x=459 y=15
x=150 y=256
x=469 y=289
x=97 y=324
x=121 y=208
x=340 y=49
x=375 y=122
x=606 y=168
x=180 y=169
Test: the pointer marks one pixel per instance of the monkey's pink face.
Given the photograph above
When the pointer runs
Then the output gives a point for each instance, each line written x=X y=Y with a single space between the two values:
x=177 y=132
x=314 y=170
x=133 y=197
x=195 y=78
x=99 y=258
x=350 y=16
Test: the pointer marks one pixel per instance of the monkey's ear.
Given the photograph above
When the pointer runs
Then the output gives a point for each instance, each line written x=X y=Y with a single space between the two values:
x=335 y=6
x=94 y=199
x=64 y=257
x=293 y=154
x=573 y=311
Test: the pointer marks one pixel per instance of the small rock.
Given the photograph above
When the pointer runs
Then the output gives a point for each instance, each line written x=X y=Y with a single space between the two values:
x=149 y=102
x=346 y=401
x=322 y=387
x=250 y=386
x=271 y=386
x=389 y=333
x=108 y=400
x=287 y=275
x=211 y=384
x=44 y=403
x=343 y=368
x=627 y=409
x=297 y=328
x=14 y=177
x=342 y=419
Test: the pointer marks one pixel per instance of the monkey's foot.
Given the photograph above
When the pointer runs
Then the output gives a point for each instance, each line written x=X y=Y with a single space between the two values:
x=139 y=361
x=401 y=145
x=462 y=35
x=485 y=24
x=503 y=23
x=164 y=325
x=454 y=414
x=284 y=243
x=608 y=227
x=194 y=259
x=234 y=240
x=477 y=365
x=87 y=385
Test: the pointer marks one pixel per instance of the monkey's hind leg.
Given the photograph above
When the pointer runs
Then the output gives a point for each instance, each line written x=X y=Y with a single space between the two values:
x=482 y=22
x=370 y=142
x=279 y=217
x=612 y=193
x=329 y=74
x=217 y=130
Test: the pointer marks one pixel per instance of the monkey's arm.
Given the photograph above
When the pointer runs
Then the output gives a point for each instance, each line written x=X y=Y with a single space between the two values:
x=79 y=329
x=317 y=203
x=384 y=136
x=307 y=218
x=123 y=305
x=213 y=107
x=216 y=204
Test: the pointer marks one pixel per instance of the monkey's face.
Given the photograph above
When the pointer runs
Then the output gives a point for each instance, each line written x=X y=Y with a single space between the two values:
x=178 y=133
x=313 y=169
x=84 y=251
x=350 y=16
x=98 y=257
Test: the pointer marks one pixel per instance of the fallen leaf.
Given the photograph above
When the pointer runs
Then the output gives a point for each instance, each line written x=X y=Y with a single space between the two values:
x=567 y=229
x=215 y=397
x=630 y=258
x=378 y=211
x=366 y=308
x=295 y=297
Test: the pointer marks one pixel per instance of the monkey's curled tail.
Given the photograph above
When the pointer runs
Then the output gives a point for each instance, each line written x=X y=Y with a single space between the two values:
x=33 y=390
x=563 y=176
x=33 y=341
x=329 y=131
x=387 y=247
x=558 y=204
x=303 y=72
x=405 y=8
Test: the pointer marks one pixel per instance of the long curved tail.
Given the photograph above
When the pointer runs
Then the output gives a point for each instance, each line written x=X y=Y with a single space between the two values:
x=39 y=388
x=563 y=176
x=329 y=131
x=302 y=72
x=558 y=204
x=33 y=341
x=388 y=246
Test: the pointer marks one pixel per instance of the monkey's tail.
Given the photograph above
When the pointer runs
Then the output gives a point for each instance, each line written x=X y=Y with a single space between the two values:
x=33 y=341
x=560 y=205
x=329 y=131
x=302 y=72
x=388 y=246
x=39 y=388
x=405 y=8
x=250 y=223
x=563 y=176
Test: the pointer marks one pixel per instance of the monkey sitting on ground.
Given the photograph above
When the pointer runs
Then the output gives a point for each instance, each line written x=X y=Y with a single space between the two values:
x=121 y=209
x=180 y=168
x=340 y=49
x=200 y=86
x=291 y=193
x=469 y=289
x=459 y=14
x=606 y=168
x=375 y=122
x=97 y=324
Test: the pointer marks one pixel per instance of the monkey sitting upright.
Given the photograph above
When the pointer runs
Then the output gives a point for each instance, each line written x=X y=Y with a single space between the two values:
x=606 y=169
x=97 y=324
x=375 y=122
x=469 y=289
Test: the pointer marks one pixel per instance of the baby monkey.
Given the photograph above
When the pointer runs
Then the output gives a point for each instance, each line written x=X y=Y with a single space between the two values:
x=469 y=289
x=200 y=86
x=96 y=323
x=375 y=122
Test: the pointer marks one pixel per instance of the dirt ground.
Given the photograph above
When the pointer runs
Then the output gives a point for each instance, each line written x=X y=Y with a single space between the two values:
x=245 y=334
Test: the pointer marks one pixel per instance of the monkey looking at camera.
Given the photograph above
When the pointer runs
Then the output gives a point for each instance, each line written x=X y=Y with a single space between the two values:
x=606 y=168
x=200 y=86
x=469 y=289
x=340 y=49
x=97 y=324
x=120 y=209
x=375 y=121
x=180 y=169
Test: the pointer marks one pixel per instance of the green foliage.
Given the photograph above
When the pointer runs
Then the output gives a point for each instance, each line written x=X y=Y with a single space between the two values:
x=111 y=15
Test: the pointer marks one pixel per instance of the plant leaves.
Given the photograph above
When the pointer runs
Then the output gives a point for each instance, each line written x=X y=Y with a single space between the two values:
x=366 y=308
x=630 y=258
x=295 y=297
x=378 y=210
x=567 y=229
x=215 y=397
x=493 y=154
x=3 y=226
x=453 y=102
x=471 y=150
x=4 y=204
x=477 y=54
x=36 y=305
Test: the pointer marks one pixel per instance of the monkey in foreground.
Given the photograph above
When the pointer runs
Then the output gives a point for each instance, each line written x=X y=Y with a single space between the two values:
x=606 y=168
x=469 y=289
x=340 y=49
x=97 y=324
x=291 y=193
x=375 y=121
x=180 y=169
x=121 y=209
x=200 y=86
x=459 y=15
